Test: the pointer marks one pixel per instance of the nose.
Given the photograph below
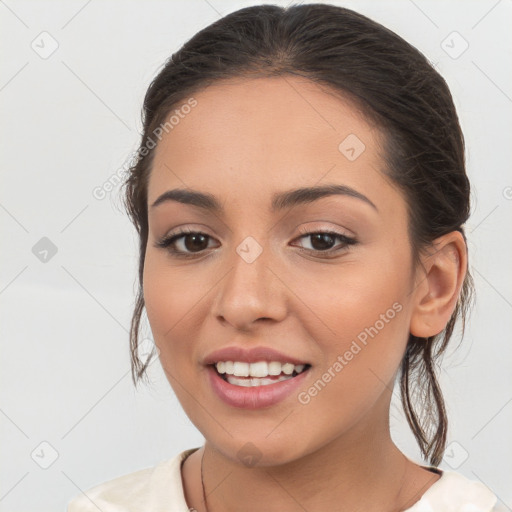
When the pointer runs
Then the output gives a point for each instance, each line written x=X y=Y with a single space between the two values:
x=251 y=291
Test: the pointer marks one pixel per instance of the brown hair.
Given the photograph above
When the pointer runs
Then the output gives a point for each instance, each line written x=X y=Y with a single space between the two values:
x=395 y=86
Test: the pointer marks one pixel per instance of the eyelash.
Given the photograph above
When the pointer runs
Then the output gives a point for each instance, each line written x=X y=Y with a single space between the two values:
x=168 y=241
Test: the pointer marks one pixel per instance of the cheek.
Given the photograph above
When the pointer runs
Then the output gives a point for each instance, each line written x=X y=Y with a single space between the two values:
x=171 y=302
x=360 y=295
x=358 y=366
x=361 y=320
x=174 y=309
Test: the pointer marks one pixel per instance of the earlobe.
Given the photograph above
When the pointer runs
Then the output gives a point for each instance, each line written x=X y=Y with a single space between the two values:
x=440 y=280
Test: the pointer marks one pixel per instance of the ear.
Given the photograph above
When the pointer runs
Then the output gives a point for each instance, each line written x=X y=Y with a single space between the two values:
x=439 y=280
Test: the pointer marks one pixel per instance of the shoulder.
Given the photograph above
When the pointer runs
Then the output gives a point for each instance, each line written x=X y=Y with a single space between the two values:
x=454 y=492
x=141 y=490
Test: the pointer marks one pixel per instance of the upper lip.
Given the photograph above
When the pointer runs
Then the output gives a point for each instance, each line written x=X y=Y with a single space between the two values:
x=250 y=355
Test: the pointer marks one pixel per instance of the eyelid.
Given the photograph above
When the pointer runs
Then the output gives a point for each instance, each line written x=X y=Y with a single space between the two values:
x=191 y=229
x=188 y=228
x=325 y=226
x=168 y=243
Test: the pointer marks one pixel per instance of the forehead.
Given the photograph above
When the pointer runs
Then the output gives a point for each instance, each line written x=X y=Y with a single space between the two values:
x=260 y=135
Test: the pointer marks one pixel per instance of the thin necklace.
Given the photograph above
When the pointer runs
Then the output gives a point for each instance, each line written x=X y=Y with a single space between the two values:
x=202 y=482
x=204 y=492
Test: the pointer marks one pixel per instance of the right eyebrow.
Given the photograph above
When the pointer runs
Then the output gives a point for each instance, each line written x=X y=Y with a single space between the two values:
x=192 y=197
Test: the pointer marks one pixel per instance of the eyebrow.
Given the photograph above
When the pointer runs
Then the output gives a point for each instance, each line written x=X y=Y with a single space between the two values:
x=280 y=200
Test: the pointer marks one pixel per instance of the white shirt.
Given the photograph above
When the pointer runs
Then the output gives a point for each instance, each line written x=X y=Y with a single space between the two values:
x=160 y=489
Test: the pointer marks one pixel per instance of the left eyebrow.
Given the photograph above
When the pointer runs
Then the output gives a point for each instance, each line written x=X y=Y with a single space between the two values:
x=280 y=200
x=306 y=195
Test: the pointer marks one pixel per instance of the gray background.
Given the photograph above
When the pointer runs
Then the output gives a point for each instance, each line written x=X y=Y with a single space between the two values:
x=70 y=121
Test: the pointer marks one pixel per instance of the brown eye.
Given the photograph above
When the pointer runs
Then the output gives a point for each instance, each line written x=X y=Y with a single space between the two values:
x=323 y=242
x=185 y=243
x=194 y=242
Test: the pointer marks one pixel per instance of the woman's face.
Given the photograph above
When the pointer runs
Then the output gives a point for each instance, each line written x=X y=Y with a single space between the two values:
x=341 y=303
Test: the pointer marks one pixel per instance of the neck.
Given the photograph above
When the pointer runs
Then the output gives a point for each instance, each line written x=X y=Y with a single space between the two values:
x=360 y=470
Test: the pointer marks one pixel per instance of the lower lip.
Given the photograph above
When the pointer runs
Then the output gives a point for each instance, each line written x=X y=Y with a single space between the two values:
x=254 y=397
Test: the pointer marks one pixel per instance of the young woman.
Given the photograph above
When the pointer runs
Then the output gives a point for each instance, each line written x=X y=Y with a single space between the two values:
x=300 y=195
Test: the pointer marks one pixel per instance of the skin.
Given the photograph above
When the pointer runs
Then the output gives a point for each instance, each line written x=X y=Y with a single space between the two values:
x=245 y=140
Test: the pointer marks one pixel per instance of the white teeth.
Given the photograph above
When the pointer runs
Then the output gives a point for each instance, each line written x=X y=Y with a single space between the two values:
x=288 y=368
x=274 y=368
x=241 y=369
x=247 y=383
x=259 y=369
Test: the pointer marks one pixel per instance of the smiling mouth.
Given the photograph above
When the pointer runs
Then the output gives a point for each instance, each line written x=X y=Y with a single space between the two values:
x=261 y=375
